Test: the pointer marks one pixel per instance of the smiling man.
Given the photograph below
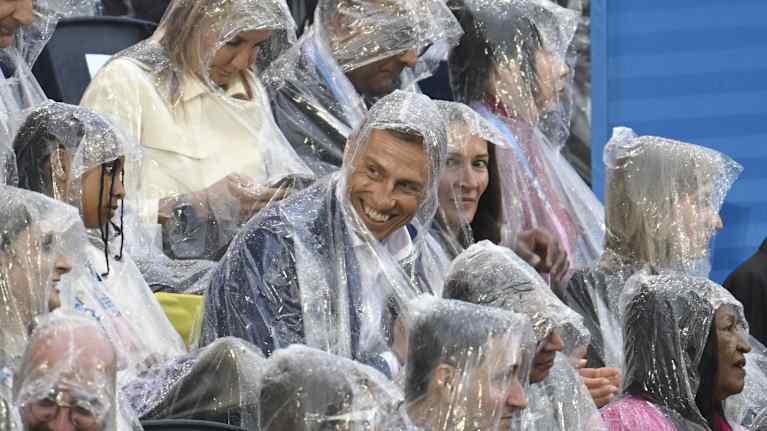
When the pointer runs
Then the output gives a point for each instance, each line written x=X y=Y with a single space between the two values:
x=327 y=266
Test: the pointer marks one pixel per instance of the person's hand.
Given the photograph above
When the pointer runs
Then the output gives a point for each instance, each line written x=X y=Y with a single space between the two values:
x=543 y=252
x=251 y=197
x=602 y=383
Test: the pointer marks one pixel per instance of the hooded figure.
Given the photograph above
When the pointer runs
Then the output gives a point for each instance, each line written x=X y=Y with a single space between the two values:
x=487 y=274
x=217 y=383
x=308 y=389
x=685 y=345
x=326 y=266
x=467 y=365
x=511 y=67
x=76 y=156
x=26 y=27
x=191 y=97
x=68 y=378
x=356 y=52
x=38 y=239
x=662 y=204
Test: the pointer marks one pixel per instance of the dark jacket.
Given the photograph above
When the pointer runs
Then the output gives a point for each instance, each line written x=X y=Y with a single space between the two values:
x=255 y=292
x=748 y=283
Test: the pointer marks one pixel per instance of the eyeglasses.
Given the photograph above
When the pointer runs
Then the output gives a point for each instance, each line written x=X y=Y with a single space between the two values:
x=85 y=414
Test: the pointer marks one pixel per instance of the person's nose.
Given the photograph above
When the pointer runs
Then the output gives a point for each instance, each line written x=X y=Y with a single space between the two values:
x=516 y=398
x=383 y=196
x=564 y=70
x=24 y=12
x=61 y=422
x=62 y=265
x=469 y=178
x=554 y=343
x=241 y=61
x=409 y=58
x=718 y=224
x=118 y=189
x=744 y=346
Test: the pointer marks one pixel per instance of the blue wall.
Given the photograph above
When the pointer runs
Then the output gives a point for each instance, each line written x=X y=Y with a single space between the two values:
x=693 y=70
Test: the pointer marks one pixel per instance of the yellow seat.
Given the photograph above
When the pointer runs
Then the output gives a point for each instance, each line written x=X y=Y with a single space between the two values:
x=184 y=312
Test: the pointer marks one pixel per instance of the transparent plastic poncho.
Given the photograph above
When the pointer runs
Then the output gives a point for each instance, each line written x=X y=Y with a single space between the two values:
x=491 y=275
x=672 y=325
x=308 y=389
x=70 y=369
x=471 y=173
x=40 y=239
x=191 y=96
x=19 y=88
x=315 y=104
x=60 y=148
x=219 y=383
x=467 y=365
x=511 y=67
x=309 y=269
x=662 y=202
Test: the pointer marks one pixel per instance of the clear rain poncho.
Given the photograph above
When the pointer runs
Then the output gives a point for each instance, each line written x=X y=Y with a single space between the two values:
x=191 y=96
x=491 y=275
x=451 y=226
x=309 y=270
x=19 y=88
x=60 y=148
x=38 y=239
x=315 y=104
x=511 y=67
x=673 y=336
x=467 y=365
x=662 y=203
x=308 y=389
x=217 y=383
x=68 y=378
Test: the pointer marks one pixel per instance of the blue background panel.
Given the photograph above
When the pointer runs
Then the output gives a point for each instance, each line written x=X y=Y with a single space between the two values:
x=693 y=70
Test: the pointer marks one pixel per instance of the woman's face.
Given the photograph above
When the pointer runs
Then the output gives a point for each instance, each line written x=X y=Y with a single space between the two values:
x=98 y=211
x=551 y=73
x=464 y=181
x=236 y=55
x=732 y=347
x=700 y=222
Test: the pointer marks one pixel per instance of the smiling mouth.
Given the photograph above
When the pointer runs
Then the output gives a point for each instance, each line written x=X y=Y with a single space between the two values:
x=374 y=215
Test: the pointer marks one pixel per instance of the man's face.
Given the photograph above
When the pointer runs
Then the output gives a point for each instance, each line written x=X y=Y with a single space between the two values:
x=544 y=358
x=388 y=182
x=491 y=392
x=13 y=14
x=382 y=77
x=63 y=410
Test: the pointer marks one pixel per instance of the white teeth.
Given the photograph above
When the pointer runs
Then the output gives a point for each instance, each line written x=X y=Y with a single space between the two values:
x=375 y=215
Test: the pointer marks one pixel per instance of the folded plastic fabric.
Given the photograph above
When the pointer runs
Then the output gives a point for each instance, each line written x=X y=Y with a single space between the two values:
x=75 y=155
x=662 y=200
x=676 y=328
x=68 y=377
x=308 y=389
x=511 y=66
x=40 y=238
x=316 y=104
x=193 y=100
x=492 y=275
x=330 y=266
x=467 y=366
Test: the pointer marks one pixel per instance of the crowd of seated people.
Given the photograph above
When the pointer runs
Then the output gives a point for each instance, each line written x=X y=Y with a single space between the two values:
x=250 y=228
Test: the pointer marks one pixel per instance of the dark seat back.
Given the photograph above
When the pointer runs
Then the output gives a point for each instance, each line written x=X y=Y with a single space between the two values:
x=62 y=70
x=186 y=425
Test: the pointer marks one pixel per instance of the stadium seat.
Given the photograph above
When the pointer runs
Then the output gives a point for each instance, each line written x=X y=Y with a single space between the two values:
x=62 y=69
x=186 y=425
